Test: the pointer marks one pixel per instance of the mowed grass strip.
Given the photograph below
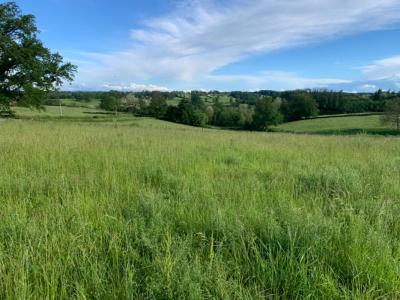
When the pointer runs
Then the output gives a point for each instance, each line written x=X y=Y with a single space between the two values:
x=130 y=212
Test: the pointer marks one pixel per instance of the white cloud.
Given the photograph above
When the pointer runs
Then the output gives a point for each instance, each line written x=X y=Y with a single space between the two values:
x=369 y=87
x=388 y=68
x=382 y=74
x=200 y=37
x=278 y=80
x=135 y=87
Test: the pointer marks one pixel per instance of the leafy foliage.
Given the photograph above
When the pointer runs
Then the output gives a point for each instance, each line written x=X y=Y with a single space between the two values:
x=265 y=114
x=158 y=105
x=110 y=102
x=299 y=105
x=28 y=70
x=237 y=110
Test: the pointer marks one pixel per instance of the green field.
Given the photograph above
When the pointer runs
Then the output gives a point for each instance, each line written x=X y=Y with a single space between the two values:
x=339 y=125
x=84 y=104
x=94 y=116
x=56 y=112
x=208 y=100
x=145 y=209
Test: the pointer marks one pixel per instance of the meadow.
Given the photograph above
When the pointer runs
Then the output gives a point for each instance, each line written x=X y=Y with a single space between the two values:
x=58 y=112
x=340 y=125
x=224 y=99
x=144 y=209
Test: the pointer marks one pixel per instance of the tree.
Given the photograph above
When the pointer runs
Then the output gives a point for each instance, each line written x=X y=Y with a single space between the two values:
x=158 y=105
x=218 y=108
x=184 y=111
x=245 y=115
x=265 y=114
x=187 y=113
x=28 y=70
x=173 y=114
x=130 y=103
x=228 y=117
x=209 y=112
x=298 y=106
x=392 y=113
x=198 y=118
x=110 y=102
x=196 y=101
x=378 y=95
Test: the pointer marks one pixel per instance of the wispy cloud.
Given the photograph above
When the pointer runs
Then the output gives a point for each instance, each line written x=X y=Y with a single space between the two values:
x=199 y=37
x=384 y=69
x=139 y=87
x=278 y=80
x=380 y=74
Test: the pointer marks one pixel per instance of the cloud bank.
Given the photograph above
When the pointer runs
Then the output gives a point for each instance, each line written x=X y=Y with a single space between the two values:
x=279 y=79
x=200 y=37
x=136 y=87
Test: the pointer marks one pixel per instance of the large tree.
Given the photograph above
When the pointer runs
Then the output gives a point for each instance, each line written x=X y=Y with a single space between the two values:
x=28 y=70
x=299 y=105
x=265 y=114
x=196 y=101
x=158 y=105
x=110 y=101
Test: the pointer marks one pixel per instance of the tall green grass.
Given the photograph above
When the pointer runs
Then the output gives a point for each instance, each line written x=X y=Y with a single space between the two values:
x=129 y=212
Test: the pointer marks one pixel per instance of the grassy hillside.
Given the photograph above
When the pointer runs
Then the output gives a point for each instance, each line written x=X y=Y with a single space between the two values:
x=77 y=115
x=73 y=103
x=57 y=112
x=339 y=125
x=208 y=100
x=92 y=210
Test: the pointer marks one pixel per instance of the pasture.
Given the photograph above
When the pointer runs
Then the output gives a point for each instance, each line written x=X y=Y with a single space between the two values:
x=145 y=209
x=340 y=125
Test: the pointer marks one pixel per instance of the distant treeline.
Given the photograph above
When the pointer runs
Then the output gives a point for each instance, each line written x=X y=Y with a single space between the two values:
x=329 y=102
x=242 y=110
x=78 y=96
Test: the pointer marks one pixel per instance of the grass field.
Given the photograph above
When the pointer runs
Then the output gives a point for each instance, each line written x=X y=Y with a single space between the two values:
x=84 y=104
x=57 y=112
x=79 y=115
x=340 y=125
x=208 y=100
x=144 y=209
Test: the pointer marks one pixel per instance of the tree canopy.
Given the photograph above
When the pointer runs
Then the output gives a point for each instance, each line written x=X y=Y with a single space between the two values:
x=299 y=105
x=110 y=101
x=265 y=114
x=28 y=70
x=392 y=113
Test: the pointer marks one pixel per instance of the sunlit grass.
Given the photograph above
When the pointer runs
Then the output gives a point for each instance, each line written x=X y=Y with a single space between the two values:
x=339 y=125
x=55 y=111
x=93 y=210
x=87 y=115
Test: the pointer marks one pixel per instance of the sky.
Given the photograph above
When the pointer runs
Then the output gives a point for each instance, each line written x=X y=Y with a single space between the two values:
x=132 y=45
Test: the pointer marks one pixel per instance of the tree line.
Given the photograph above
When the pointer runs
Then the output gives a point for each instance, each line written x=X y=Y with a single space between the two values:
x=244 y=110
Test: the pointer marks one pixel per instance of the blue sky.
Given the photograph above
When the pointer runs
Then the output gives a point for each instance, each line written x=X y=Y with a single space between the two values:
x=350 y=45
